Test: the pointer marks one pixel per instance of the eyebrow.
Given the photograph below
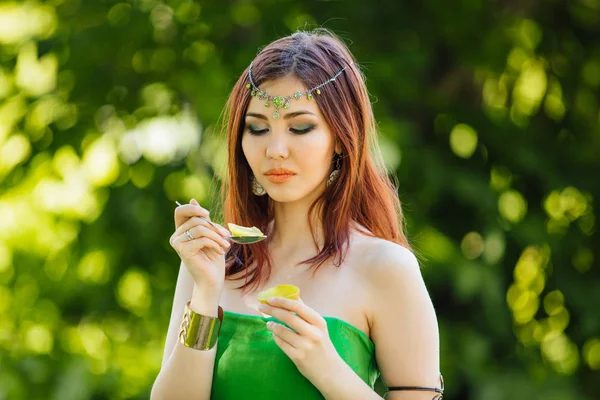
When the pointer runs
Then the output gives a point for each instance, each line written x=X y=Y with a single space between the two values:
x=286 y=116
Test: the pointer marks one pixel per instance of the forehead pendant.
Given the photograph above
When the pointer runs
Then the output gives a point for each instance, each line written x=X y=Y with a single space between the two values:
x=281 y=101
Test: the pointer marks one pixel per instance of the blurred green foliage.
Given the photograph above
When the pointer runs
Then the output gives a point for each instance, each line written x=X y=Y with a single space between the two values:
x=489 y=118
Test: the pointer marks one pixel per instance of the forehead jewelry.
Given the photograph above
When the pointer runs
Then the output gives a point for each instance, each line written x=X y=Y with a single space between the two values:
x=281 y=101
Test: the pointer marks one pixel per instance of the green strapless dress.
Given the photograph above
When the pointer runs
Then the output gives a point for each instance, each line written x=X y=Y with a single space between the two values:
x=250 y=365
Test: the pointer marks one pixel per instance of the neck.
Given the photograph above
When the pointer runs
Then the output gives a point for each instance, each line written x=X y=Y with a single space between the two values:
x=291 y=232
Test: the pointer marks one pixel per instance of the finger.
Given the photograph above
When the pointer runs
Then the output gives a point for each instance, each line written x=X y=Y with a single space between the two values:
x=195 y=205
x=207 y=222
x=197 y=229
x=303 y=311
x=196 y=221
x=188 y=248
x=186 y=211
x=204 y=214
x=180 y=231
x=286 y=334
x=178 y=240
x=287 y=348
x=209 y=230
x=206 y=231
x=293 y=321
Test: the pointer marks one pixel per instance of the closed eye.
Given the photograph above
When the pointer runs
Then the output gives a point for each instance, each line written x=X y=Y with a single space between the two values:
x=259 y=132
x=303 y=131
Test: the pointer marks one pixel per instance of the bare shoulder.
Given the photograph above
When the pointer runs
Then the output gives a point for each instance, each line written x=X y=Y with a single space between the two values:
x=391 y=277
x=380 y=261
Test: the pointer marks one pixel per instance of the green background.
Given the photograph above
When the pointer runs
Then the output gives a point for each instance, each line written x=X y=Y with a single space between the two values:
x=488 y=116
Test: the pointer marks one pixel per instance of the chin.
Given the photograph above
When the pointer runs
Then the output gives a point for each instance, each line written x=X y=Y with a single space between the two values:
x=282 y=195
x=285 y=196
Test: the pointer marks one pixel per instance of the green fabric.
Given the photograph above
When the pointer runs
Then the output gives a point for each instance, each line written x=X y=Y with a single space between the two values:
x=250 y=365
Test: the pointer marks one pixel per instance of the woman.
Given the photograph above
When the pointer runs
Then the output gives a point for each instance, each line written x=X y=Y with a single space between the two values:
x=305 y=169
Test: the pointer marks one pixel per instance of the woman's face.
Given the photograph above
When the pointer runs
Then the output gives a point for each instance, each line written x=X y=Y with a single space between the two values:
x=298 y=143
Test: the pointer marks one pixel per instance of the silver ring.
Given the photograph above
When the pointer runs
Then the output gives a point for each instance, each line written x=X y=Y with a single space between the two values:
x=188 y=235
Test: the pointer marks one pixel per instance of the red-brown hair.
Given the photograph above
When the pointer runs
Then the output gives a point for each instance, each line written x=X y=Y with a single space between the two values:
x=362 y=193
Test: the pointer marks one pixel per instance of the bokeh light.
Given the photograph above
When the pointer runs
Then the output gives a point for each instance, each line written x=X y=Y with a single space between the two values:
x=110 y=112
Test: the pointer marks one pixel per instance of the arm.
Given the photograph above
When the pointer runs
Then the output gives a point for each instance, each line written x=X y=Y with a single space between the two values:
x=404 y=325
x=185 y=373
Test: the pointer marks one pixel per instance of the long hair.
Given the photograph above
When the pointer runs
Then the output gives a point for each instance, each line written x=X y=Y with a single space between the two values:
x=362 y=193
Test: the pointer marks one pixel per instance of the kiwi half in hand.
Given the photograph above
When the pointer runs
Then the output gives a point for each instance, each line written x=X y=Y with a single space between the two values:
x=287 y=291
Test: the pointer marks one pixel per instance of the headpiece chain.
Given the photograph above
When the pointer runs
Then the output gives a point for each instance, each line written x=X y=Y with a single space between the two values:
x=281 y=101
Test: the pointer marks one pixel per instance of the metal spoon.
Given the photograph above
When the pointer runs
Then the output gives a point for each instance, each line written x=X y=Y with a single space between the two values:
x=235 y=239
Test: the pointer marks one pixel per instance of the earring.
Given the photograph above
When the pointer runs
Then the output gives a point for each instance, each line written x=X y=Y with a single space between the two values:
x=334 y=174
x=257 y=189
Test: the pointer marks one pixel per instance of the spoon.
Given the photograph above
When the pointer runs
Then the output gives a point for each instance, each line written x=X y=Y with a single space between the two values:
x=235 y=239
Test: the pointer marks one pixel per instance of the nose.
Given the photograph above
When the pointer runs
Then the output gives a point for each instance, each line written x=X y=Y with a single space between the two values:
x=277 y=147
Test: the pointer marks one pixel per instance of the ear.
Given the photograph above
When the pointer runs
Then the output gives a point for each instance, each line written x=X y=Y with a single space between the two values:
x=338 y=147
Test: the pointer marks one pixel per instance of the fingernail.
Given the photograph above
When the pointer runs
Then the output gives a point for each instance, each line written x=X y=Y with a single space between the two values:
x=263 y=307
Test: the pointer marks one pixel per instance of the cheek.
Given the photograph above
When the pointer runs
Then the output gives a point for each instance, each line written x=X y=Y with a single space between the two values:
x=320 y=148
x=250 y=150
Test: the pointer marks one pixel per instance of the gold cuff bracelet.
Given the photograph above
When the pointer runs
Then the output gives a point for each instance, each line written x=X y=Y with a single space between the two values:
x=199 y=331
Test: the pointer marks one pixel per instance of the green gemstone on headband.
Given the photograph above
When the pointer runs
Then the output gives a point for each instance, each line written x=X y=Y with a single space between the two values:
x=309 y=96
x=267 y=104
x=278 y=101
x=287 y=105
x=318 y=91
x=275 y=115
x=248 y=86
x=253 y=93
x=298 y=95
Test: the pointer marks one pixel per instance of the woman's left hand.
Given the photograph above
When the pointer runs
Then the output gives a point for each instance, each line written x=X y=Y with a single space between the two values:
x=308 y=345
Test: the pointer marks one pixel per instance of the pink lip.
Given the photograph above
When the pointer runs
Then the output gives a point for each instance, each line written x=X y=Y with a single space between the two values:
x=279 y=178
